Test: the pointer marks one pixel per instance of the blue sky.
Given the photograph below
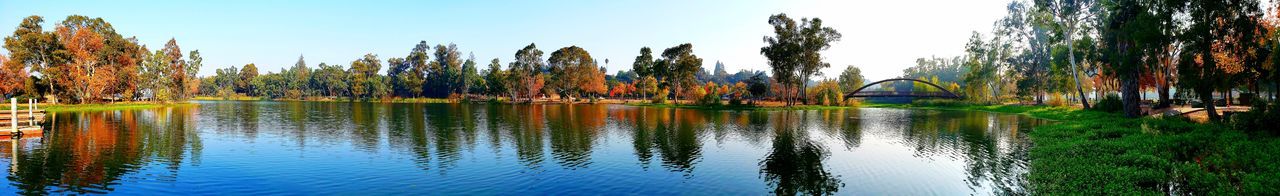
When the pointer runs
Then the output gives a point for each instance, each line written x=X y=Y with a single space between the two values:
x=881 y=37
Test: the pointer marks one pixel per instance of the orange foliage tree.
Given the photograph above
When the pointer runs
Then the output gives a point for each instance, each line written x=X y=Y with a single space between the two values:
x=86 y=76
x=12 y=76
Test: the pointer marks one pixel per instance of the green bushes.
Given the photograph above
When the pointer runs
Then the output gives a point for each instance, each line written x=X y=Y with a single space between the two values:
x=660 y=97
x=1099 y=153
x=1110 y=103
x=1262 y=118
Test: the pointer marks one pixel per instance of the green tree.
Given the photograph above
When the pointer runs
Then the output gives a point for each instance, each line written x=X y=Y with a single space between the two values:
x=571 y=68
x=299 y=77
x=794 y=51
x=647 y=85
x=681 y=65
x=153 y=74
x=469 y=76
x=36 y=49
x=527 y=69
x=445 y=72
x=758 y=85
x=245 y=83
x=363 y=78
x=1071 y=15
x=417 y=60
x=643 y=66
x=851 y=79
x=190 y=82
x=1216 y=38
x=398 y=71
x=225 y=80
x=330 y=79
x=1128 y=31
x=496 y=79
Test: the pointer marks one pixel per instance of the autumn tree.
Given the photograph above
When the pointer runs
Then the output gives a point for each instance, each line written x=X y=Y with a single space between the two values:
x=86 y=76
x=12 y=76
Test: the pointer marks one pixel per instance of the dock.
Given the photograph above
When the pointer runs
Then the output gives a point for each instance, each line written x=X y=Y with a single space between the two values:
x=21 y=122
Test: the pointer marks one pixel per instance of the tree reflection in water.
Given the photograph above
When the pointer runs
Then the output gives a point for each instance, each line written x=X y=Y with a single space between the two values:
x=90 y=151
x=794 y=164
x=546 y=147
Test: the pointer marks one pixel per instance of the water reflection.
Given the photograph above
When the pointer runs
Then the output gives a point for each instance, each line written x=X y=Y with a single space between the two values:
x=90 y=152
x=795 y=163
x=335 y=148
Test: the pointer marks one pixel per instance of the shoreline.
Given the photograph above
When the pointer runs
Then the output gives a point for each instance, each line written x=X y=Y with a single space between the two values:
x=106 y=106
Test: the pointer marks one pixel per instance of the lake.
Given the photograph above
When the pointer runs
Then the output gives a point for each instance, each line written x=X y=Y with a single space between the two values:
x=310 y=148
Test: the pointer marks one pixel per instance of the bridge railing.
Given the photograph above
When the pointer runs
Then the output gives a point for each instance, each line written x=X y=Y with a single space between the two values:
x=900 y=94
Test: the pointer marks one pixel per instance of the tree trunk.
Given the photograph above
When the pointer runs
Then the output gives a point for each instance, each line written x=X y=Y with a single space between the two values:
x=1071 y=55
x=1129 y=94
x=1163 y=91
x=804 y=84
x=1206 y=97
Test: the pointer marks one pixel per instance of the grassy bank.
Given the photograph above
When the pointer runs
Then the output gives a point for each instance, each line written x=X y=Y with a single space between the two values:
x=1091 y=152
x=106 y=106
x=738 y=107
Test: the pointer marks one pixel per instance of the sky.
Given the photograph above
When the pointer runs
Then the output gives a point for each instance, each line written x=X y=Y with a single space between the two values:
x=880 y=37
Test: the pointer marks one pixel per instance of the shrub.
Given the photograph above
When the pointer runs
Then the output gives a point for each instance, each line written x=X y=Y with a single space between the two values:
x=661 y=96
x=826 y=92
x=1110 y=103
x=1057 y=100
x=706 y=95
x=1261 y=118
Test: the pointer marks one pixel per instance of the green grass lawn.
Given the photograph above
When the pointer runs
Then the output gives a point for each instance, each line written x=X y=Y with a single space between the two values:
x=1095 y=153
x=106 y=106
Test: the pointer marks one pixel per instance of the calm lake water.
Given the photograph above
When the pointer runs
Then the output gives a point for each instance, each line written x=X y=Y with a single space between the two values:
x=255 y=148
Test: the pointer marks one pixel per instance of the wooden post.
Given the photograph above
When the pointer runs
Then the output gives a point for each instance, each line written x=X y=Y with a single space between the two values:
x=31 y=114
x=13 y=110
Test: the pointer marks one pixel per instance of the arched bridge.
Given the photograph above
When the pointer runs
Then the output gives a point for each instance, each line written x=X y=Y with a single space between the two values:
x=943 y=94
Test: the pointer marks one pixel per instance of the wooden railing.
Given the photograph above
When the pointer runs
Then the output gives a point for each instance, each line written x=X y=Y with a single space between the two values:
x=16 y=121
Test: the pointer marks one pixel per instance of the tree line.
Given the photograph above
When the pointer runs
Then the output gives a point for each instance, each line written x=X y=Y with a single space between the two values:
x=84 y=60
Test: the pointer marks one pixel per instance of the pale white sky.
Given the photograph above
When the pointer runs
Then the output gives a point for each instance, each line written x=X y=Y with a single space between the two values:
x=884 y=37
x=881 y=37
